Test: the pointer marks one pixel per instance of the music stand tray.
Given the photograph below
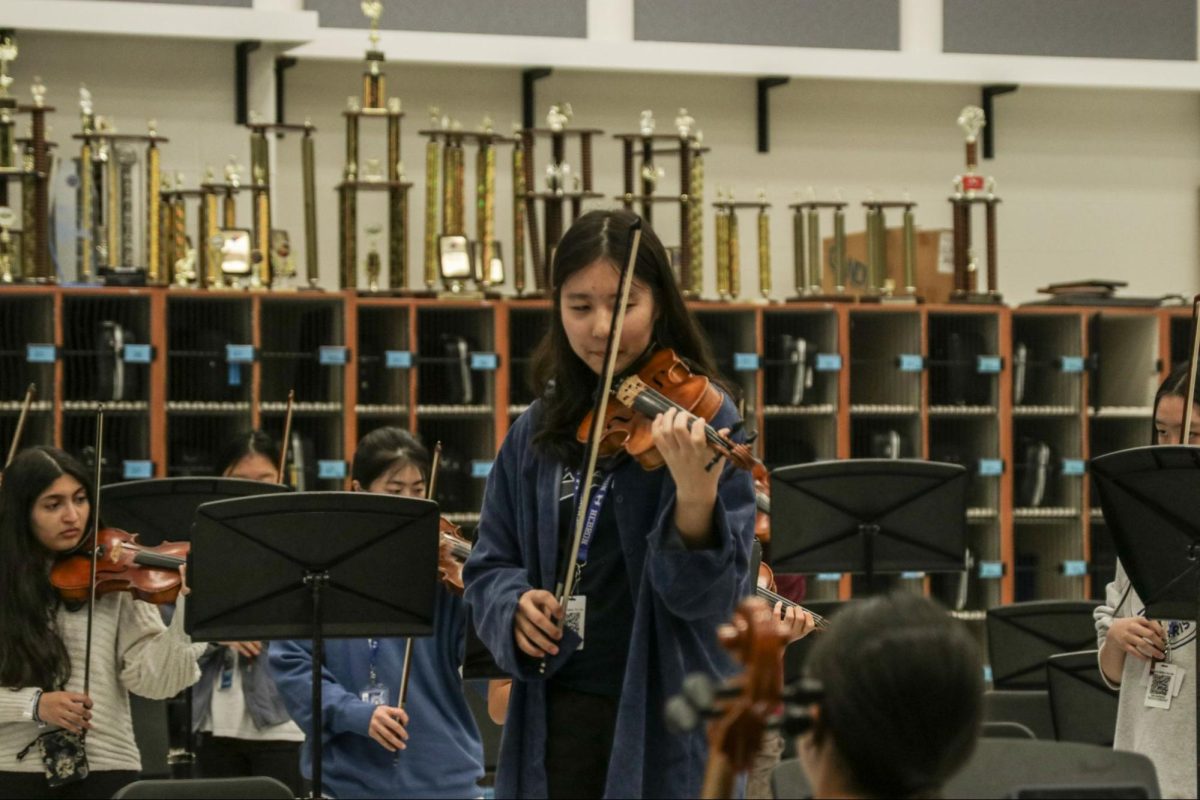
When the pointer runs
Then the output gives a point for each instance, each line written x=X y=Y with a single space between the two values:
x=161 y=509
x=1148 y=495
x=869 y=516
x=1082 y=708
x=1021 y=636
x=312 y=565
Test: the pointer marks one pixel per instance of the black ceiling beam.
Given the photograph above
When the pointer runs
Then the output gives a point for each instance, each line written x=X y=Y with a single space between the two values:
x=765 y=85
x=989 y=129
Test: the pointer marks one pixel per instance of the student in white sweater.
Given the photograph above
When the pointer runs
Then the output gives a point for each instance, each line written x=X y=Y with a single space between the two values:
x=45 y=505
x=1131 y=645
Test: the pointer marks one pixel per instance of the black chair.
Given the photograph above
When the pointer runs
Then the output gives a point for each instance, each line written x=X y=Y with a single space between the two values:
x=150 y=733
x=788 y=781
x=256 y=788
x=1082 y=708
x=1022 y=636
x=1031 y=709
x=1006 y=730
x=1016 y=768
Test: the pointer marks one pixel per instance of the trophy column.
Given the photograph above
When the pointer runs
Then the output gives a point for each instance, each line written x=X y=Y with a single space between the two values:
x=806 y=249
x=882 y=286
x=271 y=247
x=729 y=259
x=972 y=189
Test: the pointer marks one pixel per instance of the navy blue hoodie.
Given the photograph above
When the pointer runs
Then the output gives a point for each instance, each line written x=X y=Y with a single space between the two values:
x=444 y=757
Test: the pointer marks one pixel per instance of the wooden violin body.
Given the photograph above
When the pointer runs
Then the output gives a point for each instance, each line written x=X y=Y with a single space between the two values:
x=122 y=565
x=453 y=549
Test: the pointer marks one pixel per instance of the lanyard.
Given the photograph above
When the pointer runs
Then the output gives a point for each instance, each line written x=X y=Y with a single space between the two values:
x=372 y=677
x=599 y=492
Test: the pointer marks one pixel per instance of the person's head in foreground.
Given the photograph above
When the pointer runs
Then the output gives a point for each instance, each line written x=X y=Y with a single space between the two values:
x=902 y=703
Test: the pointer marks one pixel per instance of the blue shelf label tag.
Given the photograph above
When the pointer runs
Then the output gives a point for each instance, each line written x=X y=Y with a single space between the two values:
x=239 y=353
x=911 y=363
x=136 y=354
x=235 y=374
x=1074 y=569
x=331 y=470
x=991 y=467
x=485 y=361
x=1073 y=466
x=333 y=355
x=41 y=353
x=397 y=359
x=745 y=362
x=987 y=673
x=137 y=470
x=991 y=570
x=481 y=468
x=912 y=576
x=828 y=362
x=988 y=365
x=1071 y=364
x=829 y=576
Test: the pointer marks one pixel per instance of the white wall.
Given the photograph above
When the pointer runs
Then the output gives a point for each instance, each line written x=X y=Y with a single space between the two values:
x=1095 y=183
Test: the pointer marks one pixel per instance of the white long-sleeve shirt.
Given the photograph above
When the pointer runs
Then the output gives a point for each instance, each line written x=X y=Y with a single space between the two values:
x=132 y=651
x=1167 y=736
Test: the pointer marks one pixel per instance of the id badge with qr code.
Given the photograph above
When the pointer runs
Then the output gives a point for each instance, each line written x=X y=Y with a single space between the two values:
x=1162 y=685
x=375 y=695
x=577 y=615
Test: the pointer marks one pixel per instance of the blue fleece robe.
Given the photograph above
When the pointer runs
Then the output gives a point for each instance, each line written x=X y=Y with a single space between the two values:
x=444 y=757
x=681 y=596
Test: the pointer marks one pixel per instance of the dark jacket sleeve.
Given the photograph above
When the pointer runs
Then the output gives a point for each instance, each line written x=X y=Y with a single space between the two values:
x=695 y=584
x=342 y=711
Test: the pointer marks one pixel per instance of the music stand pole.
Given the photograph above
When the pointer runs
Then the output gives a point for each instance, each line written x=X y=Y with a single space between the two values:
x=366 y=563
x=1148 y=498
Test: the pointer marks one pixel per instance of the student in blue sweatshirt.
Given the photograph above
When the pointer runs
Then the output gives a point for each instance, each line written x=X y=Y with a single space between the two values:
x=668 y=555
x=372 y=748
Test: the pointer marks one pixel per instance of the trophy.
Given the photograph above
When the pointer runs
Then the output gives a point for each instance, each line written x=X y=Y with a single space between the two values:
x=33 y=173
x=8 y=104
x=180 y=258
x=7 y=218
x=729 y=261
x=806 y=248
x=561 y=187
x=647 y=176
x=270 y=265
x=119 y=204
x=881 y=287
x=449 y=253
x=374 y=104
x=972 y=189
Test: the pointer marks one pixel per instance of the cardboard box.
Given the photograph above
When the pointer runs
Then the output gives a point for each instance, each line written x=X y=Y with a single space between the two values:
x=934 y=267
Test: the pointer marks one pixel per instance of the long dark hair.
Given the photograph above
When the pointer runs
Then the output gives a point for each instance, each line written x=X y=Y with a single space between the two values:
x=597 y=236
x=31 y=651
x=384 y=447
x=1175 y=385
x=903 y=697
x=247 y=443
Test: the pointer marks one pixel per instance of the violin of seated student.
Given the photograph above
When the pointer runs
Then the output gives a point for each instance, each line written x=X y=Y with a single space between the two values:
x=122 y=565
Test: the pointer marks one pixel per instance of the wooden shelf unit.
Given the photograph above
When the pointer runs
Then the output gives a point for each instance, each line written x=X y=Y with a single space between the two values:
x=937 y=381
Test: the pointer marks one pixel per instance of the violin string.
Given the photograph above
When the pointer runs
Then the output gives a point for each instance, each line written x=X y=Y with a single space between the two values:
x=661 y=403
x=767 y=594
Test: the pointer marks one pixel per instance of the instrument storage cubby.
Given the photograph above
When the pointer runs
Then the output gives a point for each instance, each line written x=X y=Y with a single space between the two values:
x=1179 y=338
x=1048 y=364
x=964 y=364
x=107 y=355
x=527 y=324
x=886 y=362
x=733 y=337
x=458 y=361
x=384 y=359
x=801 y=363
x=210 y=377
x=28 y=355
x=1125 y=364
x=1049 y=561
x=302 y=348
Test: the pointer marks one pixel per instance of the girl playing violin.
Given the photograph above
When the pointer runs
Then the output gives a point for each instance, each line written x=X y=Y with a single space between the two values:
x=45 y=505
x=668 y=554
x=374 y=748
x=243 y=724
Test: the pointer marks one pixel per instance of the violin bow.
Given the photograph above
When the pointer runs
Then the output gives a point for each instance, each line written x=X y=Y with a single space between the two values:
x=95 y=525
x=408 y=646
x=600 y=408
x=1186 y=434
x=287 y=435
x=16 y=441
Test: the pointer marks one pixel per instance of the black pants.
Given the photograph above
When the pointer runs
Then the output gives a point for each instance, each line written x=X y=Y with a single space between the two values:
x=98 y=785
x=579 y=730
x=226 y=757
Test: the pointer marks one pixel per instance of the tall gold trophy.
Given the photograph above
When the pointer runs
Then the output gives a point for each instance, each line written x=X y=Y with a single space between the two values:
x=729 y=260
x=806 y=250
x=972 y=189
x=881 y=287
x=274 y=245
x=359 y=176
x=28 y=261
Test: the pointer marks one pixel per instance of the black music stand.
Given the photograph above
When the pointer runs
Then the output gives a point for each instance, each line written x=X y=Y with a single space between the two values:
x=312 y=565
x=1021 y=636
x=1082 y=708
x=869 y=516
x=161 y=510
x=1148 y=495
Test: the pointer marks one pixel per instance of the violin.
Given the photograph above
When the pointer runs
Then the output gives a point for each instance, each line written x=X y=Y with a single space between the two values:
x=664 y=381
x=122 y=565
x=453 y=550
x=766 y=589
